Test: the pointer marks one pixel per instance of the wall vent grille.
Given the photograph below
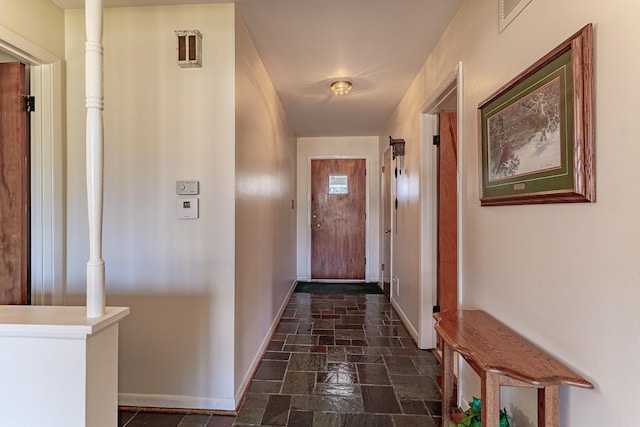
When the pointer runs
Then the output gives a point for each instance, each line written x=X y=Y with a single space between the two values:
x=509 y=9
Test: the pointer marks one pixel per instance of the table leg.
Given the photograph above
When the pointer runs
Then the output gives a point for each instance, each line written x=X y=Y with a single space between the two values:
x=447 y=384
x=490 y=399
x=548 y=406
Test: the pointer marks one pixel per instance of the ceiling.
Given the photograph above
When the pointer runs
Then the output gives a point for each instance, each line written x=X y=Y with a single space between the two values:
x=379 y=45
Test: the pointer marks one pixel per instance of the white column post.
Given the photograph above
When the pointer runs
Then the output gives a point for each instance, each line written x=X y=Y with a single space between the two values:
x=94 y=147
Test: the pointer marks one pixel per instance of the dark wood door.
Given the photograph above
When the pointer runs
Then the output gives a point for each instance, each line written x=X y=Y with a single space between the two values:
x=13 y=185
x=338 y=197
x=447 y=214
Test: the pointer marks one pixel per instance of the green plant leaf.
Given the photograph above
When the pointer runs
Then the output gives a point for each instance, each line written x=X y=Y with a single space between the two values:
x=472 y=416
x=476 y=405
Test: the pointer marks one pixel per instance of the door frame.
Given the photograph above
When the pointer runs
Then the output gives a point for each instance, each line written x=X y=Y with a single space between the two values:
x=366 y=204
x=429 y=199
x=391 y=191
x=48 y=254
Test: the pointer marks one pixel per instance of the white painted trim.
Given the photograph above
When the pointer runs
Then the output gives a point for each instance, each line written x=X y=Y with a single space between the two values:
x=366 y=203
x=461 y=149
x=405 y=320
x=381 y=223
x=428 y=207
x=171 y=401
x=393 y=190
x=96 y=297
x=246 y=380
x=18 y=46
x=428 y=231
x=48 y=251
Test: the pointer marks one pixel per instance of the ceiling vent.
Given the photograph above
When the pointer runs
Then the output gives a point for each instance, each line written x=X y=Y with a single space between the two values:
x=509 y=9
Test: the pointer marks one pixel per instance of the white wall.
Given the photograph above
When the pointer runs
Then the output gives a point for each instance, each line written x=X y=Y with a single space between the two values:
x=405 y=124
x=265 y=220
x=162 y=124
x=39 y=21
x=564 y=275
x=326 y=147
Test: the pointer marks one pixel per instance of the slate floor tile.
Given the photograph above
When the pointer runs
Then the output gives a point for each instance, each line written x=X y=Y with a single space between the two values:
x=413 y=421
x=252 y=408
x=380 y=399
x=124 y=417
x=276 y=412
x=299 y=382
x=300 y=419
x=415 y=387
x=366 y=420
x=414 y=407
x=334 y=361
x=307 y=362
x=195 y=420
x=400 y=365
x=152 y=419
x=271 y=370
x=221 y=421
x=372 y=373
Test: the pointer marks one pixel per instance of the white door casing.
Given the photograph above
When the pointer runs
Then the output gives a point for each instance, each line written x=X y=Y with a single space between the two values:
x=453 y=84
x=48 y=258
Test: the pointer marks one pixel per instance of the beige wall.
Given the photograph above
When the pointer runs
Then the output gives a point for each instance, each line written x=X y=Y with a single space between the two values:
x=355 y=147
x=162 y=124
x=265 y=220
x=39 y=21
x=564 y=275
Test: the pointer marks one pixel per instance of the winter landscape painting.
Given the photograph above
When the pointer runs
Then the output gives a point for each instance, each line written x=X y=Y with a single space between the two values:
x=525 y=137
x=536 y=133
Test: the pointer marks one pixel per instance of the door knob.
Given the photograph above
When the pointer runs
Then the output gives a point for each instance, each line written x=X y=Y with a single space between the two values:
x=387 y=231
x=318 y=226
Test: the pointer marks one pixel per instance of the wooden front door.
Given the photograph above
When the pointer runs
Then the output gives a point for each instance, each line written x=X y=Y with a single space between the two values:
x=447 y=214
x=338 y=197
x=13 y=185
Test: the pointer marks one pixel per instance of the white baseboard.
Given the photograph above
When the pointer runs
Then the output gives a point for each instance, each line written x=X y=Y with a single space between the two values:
x=181 y=402
x=368 y=279
x=405 y=320
x=195 y=402
x=263 y=347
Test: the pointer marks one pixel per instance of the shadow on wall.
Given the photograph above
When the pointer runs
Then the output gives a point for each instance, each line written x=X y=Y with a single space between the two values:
x=165 y=344
x=519 y=418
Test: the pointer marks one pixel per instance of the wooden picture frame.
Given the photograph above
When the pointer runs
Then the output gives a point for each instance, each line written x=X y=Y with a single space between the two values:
x=536 y=133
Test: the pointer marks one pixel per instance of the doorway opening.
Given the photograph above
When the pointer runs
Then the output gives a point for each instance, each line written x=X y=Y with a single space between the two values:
x=440 y=200
x=45 y=169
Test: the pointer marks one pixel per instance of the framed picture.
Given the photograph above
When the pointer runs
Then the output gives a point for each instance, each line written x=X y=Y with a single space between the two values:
x=537 y=132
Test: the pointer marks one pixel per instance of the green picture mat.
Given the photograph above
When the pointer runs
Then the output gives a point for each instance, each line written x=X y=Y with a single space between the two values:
x=547 y=180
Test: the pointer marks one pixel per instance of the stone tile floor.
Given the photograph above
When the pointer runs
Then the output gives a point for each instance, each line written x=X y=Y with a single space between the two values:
x=334 y=360
x=155 y=419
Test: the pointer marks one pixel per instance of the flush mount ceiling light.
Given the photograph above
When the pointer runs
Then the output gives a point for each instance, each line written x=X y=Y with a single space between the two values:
x=341 y=87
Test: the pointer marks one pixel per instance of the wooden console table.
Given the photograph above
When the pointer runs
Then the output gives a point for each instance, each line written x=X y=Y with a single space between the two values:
x=500 y=356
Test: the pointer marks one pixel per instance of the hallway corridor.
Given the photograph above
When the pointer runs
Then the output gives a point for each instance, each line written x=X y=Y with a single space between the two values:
x=342 y=360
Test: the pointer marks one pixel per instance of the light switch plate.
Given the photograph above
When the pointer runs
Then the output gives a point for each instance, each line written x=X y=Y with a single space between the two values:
x=187 y=188
x=187 y=208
